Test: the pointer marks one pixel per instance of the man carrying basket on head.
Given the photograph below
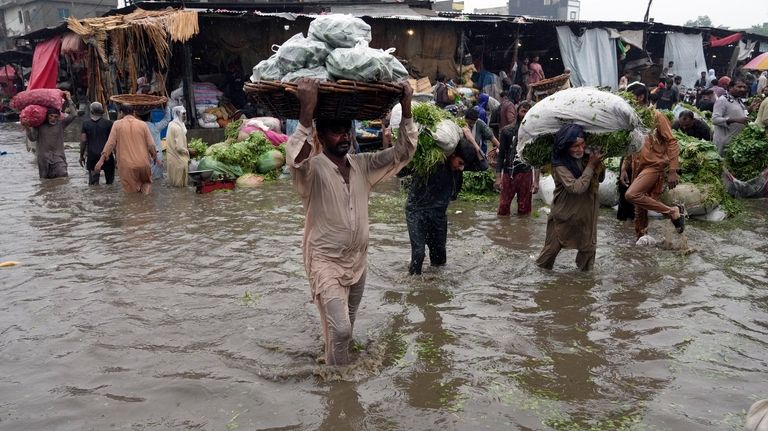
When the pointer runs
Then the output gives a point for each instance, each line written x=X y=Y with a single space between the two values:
x=334 y=187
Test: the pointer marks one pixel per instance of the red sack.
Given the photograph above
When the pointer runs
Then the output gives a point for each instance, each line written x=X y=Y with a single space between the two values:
x=48 y=97
x=33 y=115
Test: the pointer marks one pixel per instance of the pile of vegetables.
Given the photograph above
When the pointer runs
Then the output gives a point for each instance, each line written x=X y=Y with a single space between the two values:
x=254 y=155
x=476 y=185
x=232 y=129
x=198 y=147
x=747 y=153
x=428 y=154
x=539 y=152
x=701 y=165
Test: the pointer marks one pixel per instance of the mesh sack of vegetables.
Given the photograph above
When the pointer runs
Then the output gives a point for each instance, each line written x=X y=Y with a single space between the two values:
x=339 y=31
x=33 y=115
x=299 y=52
x=363 y=63
x=48 y=97
x=319 y=73
x=611 y=122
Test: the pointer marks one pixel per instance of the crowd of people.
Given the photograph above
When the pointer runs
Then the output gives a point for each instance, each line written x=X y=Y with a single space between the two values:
x=334 y=183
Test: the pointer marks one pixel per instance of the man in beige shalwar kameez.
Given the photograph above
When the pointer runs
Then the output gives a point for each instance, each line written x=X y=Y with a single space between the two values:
x=334 y=187
x=131 y=140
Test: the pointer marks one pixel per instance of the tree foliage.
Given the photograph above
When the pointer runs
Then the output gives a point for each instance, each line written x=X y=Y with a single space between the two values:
x=760 y=29
x=701 y=21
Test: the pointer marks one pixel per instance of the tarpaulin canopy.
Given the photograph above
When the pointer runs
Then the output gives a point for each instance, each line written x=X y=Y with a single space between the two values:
x=591 y=57
x=45 y=64
x=687 y=52
x=758 y=63
x=715 y=42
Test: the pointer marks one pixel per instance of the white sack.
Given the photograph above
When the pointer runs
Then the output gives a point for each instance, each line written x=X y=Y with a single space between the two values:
x=363 y=63
x=339 y=31
x=447 y=135
x=266 y=70
x=608 y=192
x=546 y=189
x=597 y=111
x=690 y=195
x=298 y=52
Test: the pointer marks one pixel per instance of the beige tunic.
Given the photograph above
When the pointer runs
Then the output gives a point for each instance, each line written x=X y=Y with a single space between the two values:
x=177 y=156
x=131 y=140
x=336 y=225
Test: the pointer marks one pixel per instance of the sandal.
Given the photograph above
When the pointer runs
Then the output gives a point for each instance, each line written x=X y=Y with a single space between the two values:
x=679 y=223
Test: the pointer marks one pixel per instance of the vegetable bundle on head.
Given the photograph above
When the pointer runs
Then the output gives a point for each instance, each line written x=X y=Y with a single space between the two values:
x=428 y=153
x=611 y=123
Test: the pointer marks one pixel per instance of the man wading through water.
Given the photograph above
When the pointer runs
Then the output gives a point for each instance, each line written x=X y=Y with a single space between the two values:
x=334 y=187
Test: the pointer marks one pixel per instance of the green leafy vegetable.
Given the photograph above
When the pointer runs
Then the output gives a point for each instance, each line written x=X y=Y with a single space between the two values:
x=747 y=153
x=539 y=152
x=477 y=185
x=198 y=146
x=428 y=154
x=247 y=154
x=232 y=129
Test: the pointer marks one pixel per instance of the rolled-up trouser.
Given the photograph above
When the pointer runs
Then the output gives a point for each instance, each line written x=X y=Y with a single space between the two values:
x=427 y=227
x=338 y=308
x=585 y=259
x=644 y=193
x=516 y=184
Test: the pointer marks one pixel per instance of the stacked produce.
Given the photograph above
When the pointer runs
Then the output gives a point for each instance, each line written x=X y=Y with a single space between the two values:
x=33 y=105
x=614 y=123
x=336 y=47
x=252 y=147
x=197 y=148
x=701 y=188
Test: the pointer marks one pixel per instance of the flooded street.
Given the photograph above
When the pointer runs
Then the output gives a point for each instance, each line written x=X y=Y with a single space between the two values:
x=191 y=312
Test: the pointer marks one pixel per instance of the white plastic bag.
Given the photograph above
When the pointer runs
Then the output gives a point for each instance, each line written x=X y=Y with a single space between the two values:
x=546 y=189
x=597 y=111
x=298 y=52
x=647 y=241
x=363 y=63
x=266 y=70
x=608 y=192
x=319 y=73
x=339 y=31
x=447 y=135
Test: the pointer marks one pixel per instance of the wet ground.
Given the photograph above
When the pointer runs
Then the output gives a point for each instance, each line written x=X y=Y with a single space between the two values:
x=190 y=312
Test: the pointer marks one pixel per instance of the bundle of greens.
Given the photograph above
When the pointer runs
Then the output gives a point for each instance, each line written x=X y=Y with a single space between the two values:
x=747 y=153
x=701 y=165
x=232 y=129
x=477 y=185
x=539 y=152
x=428 y=154
x=646 y=113
x=198 y=147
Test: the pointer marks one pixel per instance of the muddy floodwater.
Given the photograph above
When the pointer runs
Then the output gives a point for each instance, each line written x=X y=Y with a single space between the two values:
x=180 y=311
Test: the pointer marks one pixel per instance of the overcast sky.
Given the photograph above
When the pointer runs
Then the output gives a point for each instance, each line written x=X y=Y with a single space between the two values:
x=730 y=13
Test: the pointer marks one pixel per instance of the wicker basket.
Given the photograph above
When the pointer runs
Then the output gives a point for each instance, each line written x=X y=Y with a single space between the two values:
x=140 y=102
x=550 y=84
x=336 y=100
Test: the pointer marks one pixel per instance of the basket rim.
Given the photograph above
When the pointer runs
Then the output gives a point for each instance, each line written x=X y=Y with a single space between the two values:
x=149 y=99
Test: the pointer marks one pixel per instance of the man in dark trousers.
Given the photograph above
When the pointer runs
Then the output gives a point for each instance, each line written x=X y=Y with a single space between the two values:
x=93 y=138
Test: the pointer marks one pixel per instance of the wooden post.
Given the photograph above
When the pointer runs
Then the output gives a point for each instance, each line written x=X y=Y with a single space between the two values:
x=189 y=95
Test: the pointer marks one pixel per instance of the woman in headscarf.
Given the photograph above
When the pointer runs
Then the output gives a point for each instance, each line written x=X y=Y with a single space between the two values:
x=178 y=152
x=573 y=220
x=482 y=107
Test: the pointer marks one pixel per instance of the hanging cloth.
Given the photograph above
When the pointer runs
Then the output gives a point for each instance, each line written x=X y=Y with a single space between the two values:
x=45 y=64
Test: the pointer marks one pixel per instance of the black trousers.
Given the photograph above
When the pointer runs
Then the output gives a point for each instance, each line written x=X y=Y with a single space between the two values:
x=108 y=168
x=427 y=228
